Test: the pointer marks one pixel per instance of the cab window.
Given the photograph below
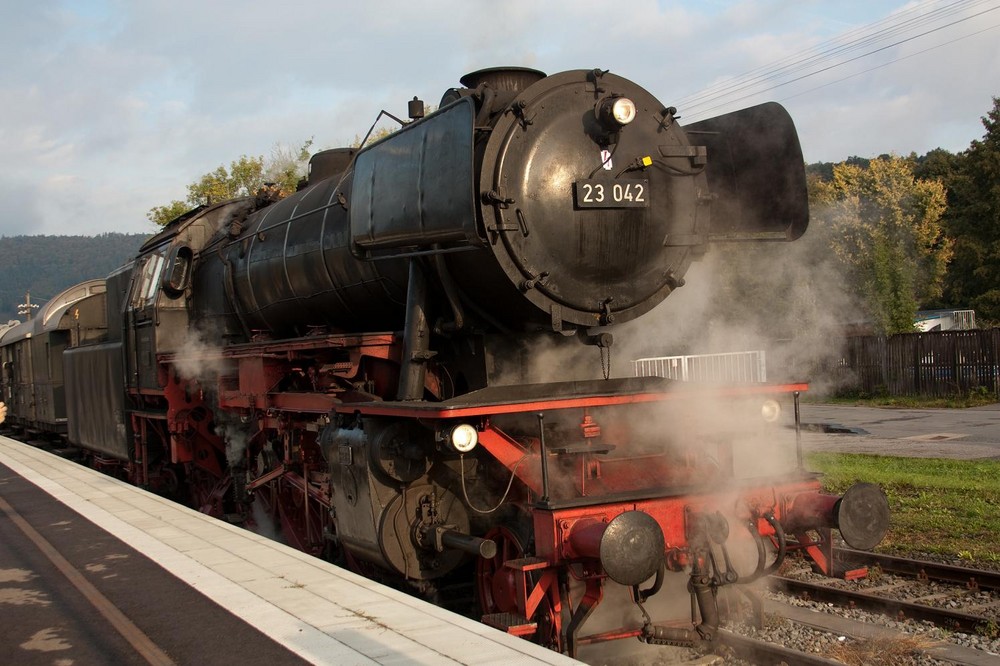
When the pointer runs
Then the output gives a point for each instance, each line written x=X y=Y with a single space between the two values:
x=148 y=277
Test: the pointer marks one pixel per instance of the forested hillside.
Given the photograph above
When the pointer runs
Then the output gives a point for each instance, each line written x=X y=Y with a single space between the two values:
x=45 y=265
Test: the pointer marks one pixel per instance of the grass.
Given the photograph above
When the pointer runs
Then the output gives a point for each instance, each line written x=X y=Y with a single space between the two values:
x=881 y=650
x=971 y=399
x=947 y=508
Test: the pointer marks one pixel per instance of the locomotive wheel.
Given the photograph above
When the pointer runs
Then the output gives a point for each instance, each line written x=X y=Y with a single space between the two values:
x=497 y=588
x=494 y=582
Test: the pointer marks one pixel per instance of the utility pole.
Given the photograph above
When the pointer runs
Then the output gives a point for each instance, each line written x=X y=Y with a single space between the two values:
x=25 y=309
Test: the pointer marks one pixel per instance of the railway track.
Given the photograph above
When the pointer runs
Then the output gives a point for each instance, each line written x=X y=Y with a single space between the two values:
x=951 y=597
x=924 y=570
x=947 y=614
x=764 y=653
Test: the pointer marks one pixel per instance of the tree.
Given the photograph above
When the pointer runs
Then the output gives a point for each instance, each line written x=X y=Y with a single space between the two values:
x=937 y=164
x=161 y=215
x=245 y=177
x=885 y=227
x=375 y=136
x=286 y=167
x=974 y=221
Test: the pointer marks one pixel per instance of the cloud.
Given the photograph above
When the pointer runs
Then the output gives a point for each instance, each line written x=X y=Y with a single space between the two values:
x=113 y=106
x=21 y=211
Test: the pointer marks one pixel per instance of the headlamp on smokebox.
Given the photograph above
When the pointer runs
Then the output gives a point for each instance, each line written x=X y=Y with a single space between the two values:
x=461 y=438
x=615 y=112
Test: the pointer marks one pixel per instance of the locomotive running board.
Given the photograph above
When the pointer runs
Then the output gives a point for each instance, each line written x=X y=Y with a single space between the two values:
x=562 y=395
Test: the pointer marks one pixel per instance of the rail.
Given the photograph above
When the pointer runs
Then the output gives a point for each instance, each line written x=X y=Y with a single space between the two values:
x=953 y=597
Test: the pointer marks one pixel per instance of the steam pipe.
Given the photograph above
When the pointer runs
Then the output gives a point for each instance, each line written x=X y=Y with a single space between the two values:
x=643 y=595
x=451 y=293
x=702 y=591
x=416 y=337
x=761 y=552
x=779 y=534
x=798 y=430
x=545 y=458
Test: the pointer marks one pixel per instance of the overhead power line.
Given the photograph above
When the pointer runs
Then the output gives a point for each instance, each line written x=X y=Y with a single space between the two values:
x=851 y=40
x=849 y=47
x=894 y=60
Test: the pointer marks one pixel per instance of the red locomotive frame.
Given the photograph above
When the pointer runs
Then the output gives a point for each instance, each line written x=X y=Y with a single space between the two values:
x=546 y=594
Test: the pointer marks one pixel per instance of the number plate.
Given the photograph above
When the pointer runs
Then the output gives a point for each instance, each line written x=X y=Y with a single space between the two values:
x=632 y=193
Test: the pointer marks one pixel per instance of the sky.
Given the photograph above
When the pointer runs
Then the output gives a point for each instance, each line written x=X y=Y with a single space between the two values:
x=111 y=107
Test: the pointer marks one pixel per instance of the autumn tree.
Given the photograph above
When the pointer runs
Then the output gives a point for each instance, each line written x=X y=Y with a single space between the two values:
x=160 y=215
x=286 y=167
x=244 y=177
x=884 y=225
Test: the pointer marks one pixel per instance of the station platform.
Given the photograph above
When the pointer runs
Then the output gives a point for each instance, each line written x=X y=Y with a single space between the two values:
x=95 y=571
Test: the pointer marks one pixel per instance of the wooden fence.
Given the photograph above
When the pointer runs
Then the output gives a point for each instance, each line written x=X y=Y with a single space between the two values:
x=941 y=363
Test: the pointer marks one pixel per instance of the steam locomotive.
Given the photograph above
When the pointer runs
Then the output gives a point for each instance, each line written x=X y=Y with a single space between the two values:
x=361 y=361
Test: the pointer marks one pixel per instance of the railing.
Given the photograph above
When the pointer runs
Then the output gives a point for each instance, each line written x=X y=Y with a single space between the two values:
x=730 y=368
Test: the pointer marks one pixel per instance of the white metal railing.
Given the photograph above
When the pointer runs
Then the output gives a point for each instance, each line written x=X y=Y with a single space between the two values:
x=945 y=320
x=965 y=320
x=732 y=367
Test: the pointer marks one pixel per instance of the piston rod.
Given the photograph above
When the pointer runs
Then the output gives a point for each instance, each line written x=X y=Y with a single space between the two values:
x=453 y=539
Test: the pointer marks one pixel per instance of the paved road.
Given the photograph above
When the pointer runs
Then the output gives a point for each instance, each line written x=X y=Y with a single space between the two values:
x=923 y=433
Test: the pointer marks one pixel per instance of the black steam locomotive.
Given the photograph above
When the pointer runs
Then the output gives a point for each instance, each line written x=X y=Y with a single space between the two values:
x=361 y=358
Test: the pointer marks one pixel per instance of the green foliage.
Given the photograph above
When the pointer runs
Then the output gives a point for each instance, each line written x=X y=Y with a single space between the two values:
x=286 y=167
x=977 y=397
x=246 y=176
x=46 y=265
x=824 y=170
x=937 y=164
x=973 y=219
x=376 y=135
x=946 y=507
x=161 y=215
x=885 y=227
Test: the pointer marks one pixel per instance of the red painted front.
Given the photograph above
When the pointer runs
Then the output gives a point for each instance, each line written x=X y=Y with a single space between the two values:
x=555 y=530
x=575 y=463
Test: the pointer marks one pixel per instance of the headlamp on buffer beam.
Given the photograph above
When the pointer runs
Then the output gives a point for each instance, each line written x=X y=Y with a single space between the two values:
x=462 y=438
